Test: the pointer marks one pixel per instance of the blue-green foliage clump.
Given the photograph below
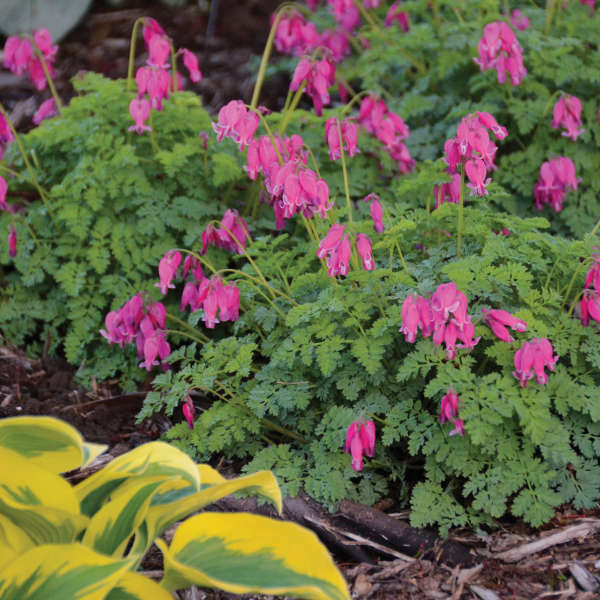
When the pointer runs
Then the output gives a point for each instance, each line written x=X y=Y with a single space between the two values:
x=310 y=354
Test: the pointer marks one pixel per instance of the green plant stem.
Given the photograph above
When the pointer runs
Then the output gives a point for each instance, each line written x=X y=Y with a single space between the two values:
x=17 y=174
x=436 y=15
x=550 y=6
x=21 y=220
x=184 y=334
x=132 y=44
x=155 y=148
x=292 y=107
x=265 y=57
x=314 y=161
x=368 y=18
x=201 y=337
x=41 y=191
x=580 y=266
x=173 y=65
x=461 y=202
x=57 y=101
x=595 y=228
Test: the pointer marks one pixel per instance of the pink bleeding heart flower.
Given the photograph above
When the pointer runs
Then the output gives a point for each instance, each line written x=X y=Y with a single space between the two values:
x=167 y=270
x=499 y=320
x=151 y=29
x=331 y=240
x=12 y=242
x=46 y=110
x=363 y=247
x=535 y=354
x=410 y=319
x=476 y=172
x=396 y=15
x=360 y=439
x=449 y=412
x=188 y=411
x=519 y=21
x=191 y=64
x=589 y=307
x=139 y=111
x=567 y=114
x=3 y=189
x=376 y=211
x=159 y=50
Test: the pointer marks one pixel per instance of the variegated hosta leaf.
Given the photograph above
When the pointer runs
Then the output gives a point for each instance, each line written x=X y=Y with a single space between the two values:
x=47 y=442
x=153 y=459
x=91 y=451
x=177 y=506
x=37 y=501
x=61 y=571
x=244 y=553
x=13 y=541
x=113 y=525
x=133 y=586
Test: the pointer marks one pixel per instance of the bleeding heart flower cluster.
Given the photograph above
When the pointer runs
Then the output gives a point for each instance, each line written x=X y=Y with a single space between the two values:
x=395 y=14
x=231 y=235
x=144 y=322
x=292 y=187
x=500 y=50
x=349 y=136
x=444 y=316
x=473 y=148
x=211 y=295
x=318 y=76
x=532 y=358
x=336 y=247
x=360 y=439
x=346 y=13
x=567 y=114
x=154 y=78
x=389 y=128
x=590 y=301
x=556 y=177
x=449 y=412
x=519 y=21
x=295 y=35
x=20 y=56
x=235 y=121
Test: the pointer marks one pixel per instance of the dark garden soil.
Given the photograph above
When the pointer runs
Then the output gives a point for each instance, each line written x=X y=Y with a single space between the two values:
x=565 y=560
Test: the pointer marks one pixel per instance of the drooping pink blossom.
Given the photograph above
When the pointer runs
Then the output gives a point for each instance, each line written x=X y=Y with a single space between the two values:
x=567 y=114
x=363 y=247
x=500 y=50
x=139 y=111
x=532 y=358
x=188 y=411
x=360 y=439
x=46 y=110
x=376 y=212
x=396 y=15
x=167 y=270
x=151 y=29
x=499 y=320
x=476 y=172
x=519 y=21
x=236 y=122
x=295 y=35
x=341 y=135
x=191 y=64
x=318 y=77
x=449 y=412
x=556 y=177
x=346 y=14
x=12 y=242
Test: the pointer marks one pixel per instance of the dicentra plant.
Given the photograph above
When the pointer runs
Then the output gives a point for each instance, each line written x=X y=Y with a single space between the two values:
x=386 y=270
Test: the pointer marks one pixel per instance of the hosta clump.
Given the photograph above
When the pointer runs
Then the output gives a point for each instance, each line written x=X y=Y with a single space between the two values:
x=114 y=205
x=88 y=540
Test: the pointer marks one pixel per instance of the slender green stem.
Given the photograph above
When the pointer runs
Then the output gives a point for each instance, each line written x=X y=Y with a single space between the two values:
x=201 y=337
x=132 y=45
x=354 y=100
x=345 y=174
x=268 y=130
x=550 y=6
x=292 y=107
x=595 y=229
x=314 y=161
x=185 y=334
x=436 y=15
x=250 y=260
x=580 y=266
x=17 y=174
x=265 y=57
x=173 y=65
x=155 y=147
x=287 y=101
x=29 y=228
x=368 y=18
x=461 y=202
x=259 y=282
x=57 y=100
x=41 y=191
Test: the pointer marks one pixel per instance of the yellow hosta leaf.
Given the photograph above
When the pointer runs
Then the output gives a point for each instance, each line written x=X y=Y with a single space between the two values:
x=91 y=451
x=61 y=571
x=47 y=442
x=137 y=587
x=153 y=459
x=209 y=476
x=243 y=553
x=13 y=541
x=160 y=516
x=113 y=525
x=40 y=502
